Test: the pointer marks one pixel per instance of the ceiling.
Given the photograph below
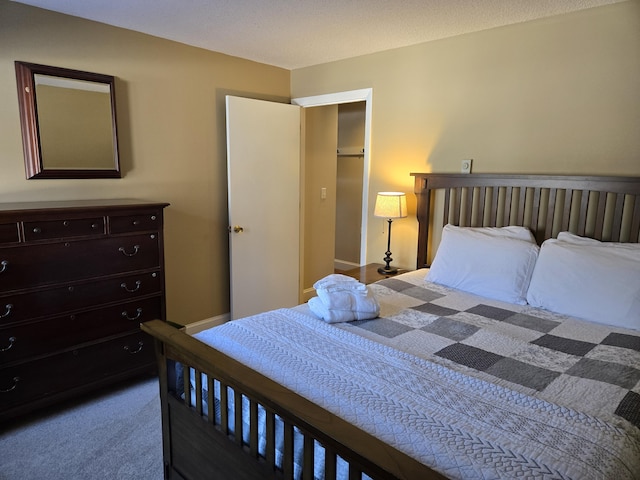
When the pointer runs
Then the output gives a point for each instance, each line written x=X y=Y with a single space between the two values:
x=298 y=33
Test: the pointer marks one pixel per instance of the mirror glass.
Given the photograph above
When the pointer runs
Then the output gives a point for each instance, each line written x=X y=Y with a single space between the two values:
x=68 y=122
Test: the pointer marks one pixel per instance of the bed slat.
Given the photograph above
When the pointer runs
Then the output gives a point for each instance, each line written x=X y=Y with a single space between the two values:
x=187 y=389
x=287 y=460
x=582 y=221
x=634 y=232
x=566 y=210
x=270 y=432
x=535 y=212
x=308 y=458
x=617 y=218
x=551 y=208
x=468 y=209
x=330 y=463
x=482 y=200
x=211 y=415
x=354 y=473
x=447 y=206
x=198 y=389
x=237 y=417
x=522 y=195
x=253 y=428
x=601 y=205
x=494 y=206
x=508 y=206
x=224 y=408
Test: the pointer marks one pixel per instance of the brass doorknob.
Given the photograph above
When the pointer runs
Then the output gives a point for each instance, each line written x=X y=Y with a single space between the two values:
x=237 y=229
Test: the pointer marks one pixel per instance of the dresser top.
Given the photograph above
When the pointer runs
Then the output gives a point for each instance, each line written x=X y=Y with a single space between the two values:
x=77 y=205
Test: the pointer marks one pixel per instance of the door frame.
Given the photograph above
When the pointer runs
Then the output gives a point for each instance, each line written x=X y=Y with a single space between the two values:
x=350 y=96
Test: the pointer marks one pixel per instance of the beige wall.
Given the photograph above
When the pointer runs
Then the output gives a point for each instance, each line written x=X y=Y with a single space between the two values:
x=170 y=106
x=559 y=95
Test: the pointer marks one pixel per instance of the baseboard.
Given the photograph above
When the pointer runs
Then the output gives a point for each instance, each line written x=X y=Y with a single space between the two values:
x=344 y=265
x=201 y=325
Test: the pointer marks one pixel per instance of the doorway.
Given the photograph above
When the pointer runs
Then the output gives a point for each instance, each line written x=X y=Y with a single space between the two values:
x=363 y=95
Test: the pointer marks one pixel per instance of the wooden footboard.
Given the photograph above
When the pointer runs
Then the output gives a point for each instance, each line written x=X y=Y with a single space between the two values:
x=198 y=444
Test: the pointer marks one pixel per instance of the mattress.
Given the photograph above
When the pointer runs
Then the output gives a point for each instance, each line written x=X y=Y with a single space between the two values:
x=474 y=388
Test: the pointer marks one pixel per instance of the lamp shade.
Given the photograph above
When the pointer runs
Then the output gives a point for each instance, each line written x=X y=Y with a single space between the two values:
x=391 y=205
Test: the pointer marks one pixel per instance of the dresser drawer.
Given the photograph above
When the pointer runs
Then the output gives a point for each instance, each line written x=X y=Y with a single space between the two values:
x=135 y=223
x=47 y=264
x=25 y=340
x=78 y=369
x=9 y=233
x=63 y=228
x=53 y=301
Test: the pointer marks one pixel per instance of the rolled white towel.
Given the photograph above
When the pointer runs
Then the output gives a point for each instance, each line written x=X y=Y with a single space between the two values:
x=345 y=307
x=329 y=316
x=337 y=282
x=345 y=299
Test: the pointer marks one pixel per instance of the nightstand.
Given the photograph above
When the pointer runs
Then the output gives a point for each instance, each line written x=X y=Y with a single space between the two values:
x=369 y=273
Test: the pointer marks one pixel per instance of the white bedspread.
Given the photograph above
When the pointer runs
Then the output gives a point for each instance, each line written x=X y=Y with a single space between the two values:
x=459 y=423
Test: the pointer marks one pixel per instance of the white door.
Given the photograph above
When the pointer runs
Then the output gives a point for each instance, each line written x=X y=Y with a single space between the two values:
x=263 y=175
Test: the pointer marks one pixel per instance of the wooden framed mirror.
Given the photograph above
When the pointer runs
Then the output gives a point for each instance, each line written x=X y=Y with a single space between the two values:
x=68 y=120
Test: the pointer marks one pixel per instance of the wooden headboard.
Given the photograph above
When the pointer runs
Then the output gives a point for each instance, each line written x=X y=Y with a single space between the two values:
x=604 y=208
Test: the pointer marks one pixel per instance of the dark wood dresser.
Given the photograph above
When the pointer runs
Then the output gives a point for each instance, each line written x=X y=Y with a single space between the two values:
x=76 y=280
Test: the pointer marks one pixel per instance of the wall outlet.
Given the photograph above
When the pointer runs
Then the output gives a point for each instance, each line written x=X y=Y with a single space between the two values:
x=465 y=167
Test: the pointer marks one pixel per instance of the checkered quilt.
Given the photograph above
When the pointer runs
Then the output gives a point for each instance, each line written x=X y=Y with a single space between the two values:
x=474 y=388
x=590 y=367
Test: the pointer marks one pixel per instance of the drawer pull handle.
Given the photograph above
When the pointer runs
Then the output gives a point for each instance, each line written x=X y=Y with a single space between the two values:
x=138 y=313
x=95 y=225
x=13 y=387
x=12 y=340
x=3 y=264
x=37 y=230
x=135 y=250
x=7 y=310
x=65 y=223
x=133 y=352
x=123 y=285
x=136 y=222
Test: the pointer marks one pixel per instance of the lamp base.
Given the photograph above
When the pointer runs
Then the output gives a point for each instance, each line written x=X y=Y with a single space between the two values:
x=387 y=270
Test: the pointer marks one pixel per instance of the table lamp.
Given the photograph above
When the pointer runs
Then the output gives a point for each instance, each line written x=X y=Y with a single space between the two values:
x=390 y=205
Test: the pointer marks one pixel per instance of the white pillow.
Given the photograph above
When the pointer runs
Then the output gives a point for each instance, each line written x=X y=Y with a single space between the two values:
x=492 y=262
x=512 y=231
x=585 y=278
x=573 y=238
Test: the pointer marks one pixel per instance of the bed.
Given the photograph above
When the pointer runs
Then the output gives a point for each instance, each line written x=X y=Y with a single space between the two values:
x=459 y=377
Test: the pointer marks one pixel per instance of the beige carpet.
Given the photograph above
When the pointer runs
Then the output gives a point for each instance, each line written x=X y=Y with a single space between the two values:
x=110 y=435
